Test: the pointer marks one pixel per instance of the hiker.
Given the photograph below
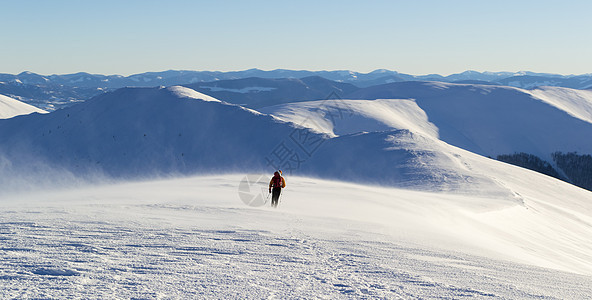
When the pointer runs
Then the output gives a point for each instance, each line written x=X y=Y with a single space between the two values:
x=277 y=182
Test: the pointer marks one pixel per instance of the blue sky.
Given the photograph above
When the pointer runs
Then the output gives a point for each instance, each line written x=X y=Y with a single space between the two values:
x=416 y=37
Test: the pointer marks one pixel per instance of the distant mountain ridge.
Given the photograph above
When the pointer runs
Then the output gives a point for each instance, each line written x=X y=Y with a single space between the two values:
x=50 y=92
x=177 y=77
x=257 y=92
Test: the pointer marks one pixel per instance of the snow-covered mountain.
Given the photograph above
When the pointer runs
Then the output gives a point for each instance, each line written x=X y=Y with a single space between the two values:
x=421 y=216
x=47 y=96
x=137 y=131
x=403 y=140
x=532 y=81
x=494 y=120
x=53 y=92
x=140 y=132
x=577 y=103
x=84 y=80
x=258 y=92
x=484 y=119
x=10 y=108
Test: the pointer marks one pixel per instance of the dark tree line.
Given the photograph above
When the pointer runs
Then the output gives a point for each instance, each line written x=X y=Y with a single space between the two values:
x=531 y=162
x=578 y=168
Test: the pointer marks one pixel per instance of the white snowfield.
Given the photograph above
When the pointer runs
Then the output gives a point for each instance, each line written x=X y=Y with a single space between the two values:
x=427 y=218
x=11 y=108
x=194 y=238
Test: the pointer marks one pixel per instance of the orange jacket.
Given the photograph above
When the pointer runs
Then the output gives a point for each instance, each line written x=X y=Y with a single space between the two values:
x=283 y=182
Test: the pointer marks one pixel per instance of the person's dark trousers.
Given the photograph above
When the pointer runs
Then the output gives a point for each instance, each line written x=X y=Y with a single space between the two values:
x=275 y=196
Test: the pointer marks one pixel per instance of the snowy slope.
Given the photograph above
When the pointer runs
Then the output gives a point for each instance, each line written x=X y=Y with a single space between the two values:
x=10 y=108
x=447 y=223
x=140 y=131
x=194 y=238
x=578 y=103
x=342 y=117
x=144 y=132
x=488 y=120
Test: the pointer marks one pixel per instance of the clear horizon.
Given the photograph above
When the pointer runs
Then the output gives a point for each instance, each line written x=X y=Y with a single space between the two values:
x=417 y=38
x=427 y=74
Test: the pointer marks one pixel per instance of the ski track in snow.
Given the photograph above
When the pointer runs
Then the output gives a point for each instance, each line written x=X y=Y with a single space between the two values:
x=110 y=243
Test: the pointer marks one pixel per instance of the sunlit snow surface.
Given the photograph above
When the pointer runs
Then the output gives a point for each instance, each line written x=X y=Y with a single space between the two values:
x=194 y=238
x=10 y=108
x=452 y=225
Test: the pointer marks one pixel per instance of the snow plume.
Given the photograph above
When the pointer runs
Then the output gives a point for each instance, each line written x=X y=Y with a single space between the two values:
x=135 y=133
x=29 y=174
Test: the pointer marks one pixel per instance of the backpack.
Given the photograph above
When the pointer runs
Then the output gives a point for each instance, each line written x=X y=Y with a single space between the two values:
x=277 y=181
